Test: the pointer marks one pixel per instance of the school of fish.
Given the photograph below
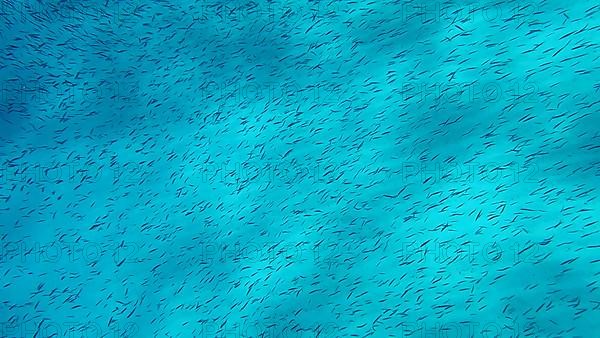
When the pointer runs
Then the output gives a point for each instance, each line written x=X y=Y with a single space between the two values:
x=300 y=168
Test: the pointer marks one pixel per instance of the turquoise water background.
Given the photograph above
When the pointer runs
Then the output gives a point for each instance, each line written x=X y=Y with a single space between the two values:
x=299 y=169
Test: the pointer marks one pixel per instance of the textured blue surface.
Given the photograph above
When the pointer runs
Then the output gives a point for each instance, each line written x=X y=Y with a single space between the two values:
x=300 y=169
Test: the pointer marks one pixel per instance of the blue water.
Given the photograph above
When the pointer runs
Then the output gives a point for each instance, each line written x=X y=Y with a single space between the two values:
x=300 y=169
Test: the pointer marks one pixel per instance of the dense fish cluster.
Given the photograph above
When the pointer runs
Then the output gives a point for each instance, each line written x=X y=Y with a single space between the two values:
x=299 y=168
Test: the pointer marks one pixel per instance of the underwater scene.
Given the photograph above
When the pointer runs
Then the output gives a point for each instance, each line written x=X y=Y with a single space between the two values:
x=309 y=168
